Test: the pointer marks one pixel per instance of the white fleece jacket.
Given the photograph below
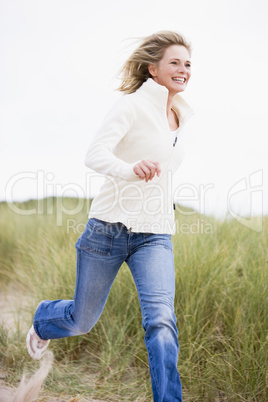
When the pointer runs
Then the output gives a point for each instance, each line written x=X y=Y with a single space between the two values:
x=137 y=128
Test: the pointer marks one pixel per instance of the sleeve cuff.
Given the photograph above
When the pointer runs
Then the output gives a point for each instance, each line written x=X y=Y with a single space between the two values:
x=127 y=172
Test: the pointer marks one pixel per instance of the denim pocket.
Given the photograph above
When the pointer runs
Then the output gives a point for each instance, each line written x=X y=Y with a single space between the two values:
x=164 y=240
x=95 y=239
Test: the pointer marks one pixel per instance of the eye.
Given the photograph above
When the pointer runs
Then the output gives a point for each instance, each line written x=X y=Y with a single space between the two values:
x=173 y=62
x=188 y=65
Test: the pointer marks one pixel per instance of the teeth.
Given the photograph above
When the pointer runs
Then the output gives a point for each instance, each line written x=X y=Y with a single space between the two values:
x=179 y=79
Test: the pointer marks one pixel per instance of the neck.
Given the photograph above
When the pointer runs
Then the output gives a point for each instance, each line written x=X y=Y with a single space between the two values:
x=169 y=103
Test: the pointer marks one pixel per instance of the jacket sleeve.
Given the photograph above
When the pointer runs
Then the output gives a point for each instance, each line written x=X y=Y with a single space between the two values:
x=100 y=156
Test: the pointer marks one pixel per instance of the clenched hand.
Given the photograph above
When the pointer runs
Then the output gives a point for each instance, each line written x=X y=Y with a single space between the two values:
x=147 y=169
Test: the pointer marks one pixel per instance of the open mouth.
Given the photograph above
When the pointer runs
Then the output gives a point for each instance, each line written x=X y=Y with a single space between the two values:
x=179 y=79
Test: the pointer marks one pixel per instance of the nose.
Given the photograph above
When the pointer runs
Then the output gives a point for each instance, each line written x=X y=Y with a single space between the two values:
x=182 y=68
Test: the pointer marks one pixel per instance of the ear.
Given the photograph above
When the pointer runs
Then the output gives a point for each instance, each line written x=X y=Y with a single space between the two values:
x=152 y=69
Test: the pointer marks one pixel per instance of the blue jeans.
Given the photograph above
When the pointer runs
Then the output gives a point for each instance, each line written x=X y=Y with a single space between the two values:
x=101 y=250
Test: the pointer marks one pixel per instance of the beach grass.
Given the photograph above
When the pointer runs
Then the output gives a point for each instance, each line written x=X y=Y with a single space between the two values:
x=221 y=307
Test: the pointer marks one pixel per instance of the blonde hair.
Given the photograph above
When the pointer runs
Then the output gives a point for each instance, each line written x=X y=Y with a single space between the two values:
x=135 y=70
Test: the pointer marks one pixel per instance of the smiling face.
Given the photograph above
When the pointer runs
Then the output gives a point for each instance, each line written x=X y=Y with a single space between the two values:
x=173 y=70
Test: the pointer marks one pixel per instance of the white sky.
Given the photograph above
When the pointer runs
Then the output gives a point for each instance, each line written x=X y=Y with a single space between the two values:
x=58 y=61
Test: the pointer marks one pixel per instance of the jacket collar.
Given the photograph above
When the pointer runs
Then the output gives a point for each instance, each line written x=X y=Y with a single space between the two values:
x=158 y=95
